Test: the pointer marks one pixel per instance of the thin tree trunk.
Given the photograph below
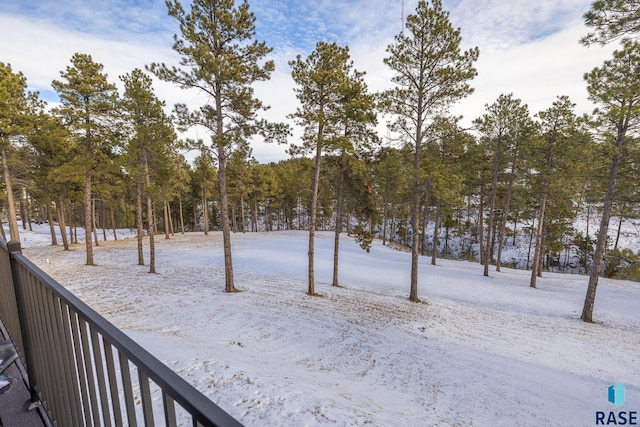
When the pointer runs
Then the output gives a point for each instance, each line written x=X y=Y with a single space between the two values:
x=150 y=215
x=481 y=225
x=515 y=227
x=338 y=225
x=314 y=205
x=94 y=222
x=436 y=224
x=530 y=244
x=615 y=245
x=537 y=251
x=60 y=212
x=234 y=224
x=242 y=218
x=205 y=211
x=87 y=217
x=415 y=217
x=171 y=229
x=13 y=222
x=503 y=224
x=52 y=228
x=385 y=212
x=224 y=219
x=181 y=215
x=424 y=227
x=25 y=212
x=596 y=267
x=254 y=215
x=588 y=218
x=492 y=207
x=139 y=224
x=112 y=214
x=72 y=216
x=165 y=211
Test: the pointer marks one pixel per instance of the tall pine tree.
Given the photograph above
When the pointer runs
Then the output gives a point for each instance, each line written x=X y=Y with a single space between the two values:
x=321 y=79
x=219 y=59
x=88 y=108
x=615 y=88
x=431 y=73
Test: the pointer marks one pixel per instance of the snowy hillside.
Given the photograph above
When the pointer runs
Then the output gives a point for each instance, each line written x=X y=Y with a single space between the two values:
x=479 y=351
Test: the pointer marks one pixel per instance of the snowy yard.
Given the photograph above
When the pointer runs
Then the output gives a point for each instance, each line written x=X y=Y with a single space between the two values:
x=479 y=351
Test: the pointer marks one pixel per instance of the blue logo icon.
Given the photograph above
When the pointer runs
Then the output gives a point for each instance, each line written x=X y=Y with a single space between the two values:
x=616 y=394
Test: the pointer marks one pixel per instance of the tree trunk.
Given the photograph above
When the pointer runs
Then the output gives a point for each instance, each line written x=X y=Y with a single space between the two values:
x=113 y=222
x=424 y=227
x=385 y=211
x=492 y=207
x=87 y=217
x=60 y=211
x=103 y=221
x=503 y=223
x=205 y=211
x=165 y=213
x=338 y=225
x=515 y=227
x=23 y=213
x=224 y=219
x=242 y=218
x=436 y=224
x=314 y=205
x=94 y=222
x=234 y=224
x=171 y=229
x=415 y=217
x=481 y=225
x=13 y=222
x=254 y=215
x=150 y=215
x=615 y=245
x=139 y=224
x=52 y=228
x=596 y=267
x=537 y=251
x=181 y=215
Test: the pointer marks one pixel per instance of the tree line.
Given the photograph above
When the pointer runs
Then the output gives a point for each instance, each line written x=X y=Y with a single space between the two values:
x=107 y=160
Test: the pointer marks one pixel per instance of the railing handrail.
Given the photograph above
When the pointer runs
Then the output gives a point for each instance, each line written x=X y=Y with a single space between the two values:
x=204 y=411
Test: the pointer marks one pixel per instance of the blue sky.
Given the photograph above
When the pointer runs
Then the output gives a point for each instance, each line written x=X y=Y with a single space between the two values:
x=527 y=48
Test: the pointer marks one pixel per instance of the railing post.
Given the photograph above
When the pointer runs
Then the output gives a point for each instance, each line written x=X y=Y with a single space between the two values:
x=14 y=248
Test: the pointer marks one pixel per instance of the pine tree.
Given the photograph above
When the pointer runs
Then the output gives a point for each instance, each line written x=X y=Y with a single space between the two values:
x=356 y=110
x=88 y=105
x=612 y=20
x=501 y=126
x=151 y=143
x=16 y=107
x=219 y=59
x=431 y=73
x=615 y=87
x=555 y=152
x=392 y=182
x=322 y=80
x=53 y=149
x=443 y=171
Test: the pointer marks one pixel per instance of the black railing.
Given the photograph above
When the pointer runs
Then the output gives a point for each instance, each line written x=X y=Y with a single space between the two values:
x=84 y=370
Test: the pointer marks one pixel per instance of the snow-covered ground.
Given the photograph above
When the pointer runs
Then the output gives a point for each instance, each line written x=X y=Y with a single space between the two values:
x=479 y=351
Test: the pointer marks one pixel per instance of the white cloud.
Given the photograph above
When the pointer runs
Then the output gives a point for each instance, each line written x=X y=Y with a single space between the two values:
x=528 y=49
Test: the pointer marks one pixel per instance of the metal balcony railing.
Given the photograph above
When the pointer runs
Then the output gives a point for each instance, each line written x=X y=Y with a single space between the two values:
x=81 y=368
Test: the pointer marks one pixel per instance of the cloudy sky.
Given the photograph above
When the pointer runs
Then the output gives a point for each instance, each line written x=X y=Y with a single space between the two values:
x=527 y=48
